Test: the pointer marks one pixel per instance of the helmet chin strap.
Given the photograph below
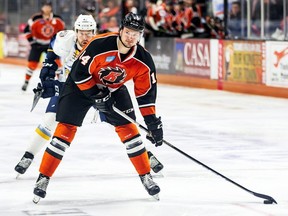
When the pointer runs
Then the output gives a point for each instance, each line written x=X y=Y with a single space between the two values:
x=123 y=43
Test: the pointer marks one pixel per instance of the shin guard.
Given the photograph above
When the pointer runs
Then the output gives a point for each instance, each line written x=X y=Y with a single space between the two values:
x=63 y=136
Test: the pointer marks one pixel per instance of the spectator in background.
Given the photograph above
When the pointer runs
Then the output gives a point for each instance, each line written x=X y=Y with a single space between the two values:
x=111 y=9
x=103 y=24
x=143 y=11
x=189 y=20
x=129 y=6
x=273 y=15
x=215 y=27
x=112 y=25
x=234 y=21
x=41 y=27
x=170 y=19
x=3 y=22
x=155 y=18
x=194 y=15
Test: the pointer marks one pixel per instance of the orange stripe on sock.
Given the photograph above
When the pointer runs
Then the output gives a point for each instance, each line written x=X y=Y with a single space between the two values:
x=126 y=132
x=27 y=77
x=65 y=131
x=32 y=65
x=49 y=164
x=141 y=163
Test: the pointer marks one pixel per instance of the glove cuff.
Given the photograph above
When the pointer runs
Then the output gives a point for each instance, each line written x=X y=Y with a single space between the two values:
x=50 y=65
x=103 y=99
x=152 y=122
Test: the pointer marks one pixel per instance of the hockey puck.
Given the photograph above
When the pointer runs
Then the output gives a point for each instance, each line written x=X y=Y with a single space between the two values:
x=268 y=201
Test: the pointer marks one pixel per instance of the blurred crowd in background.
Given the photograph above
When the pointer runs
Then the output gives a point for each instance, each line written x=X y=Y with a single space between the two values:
x=233 y=19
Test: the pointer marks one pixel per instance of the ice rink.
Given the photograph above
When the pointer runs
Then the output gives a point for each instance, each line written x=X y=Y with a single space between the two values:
x=243 y=137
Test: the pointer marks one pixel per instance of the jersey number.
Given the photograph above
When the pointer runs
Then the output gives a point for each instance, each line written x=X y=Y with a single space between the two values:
x=84 y=59
x=153 y=78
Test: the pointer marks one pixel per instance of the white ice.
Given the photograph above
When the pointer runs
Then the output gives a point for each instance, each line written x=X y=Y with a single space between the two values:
x=243 y=137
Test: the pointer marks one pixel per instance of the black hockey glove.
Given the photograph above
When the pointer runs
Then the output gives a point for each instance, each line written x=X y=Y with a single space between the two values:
x=48 y=71
x=50 y=88
x=154 y=125
x=104 y=101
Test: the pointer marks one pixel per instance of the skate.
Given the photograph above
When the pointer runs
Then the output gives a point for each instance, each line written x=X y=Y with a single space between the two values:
x=152 y=188
x=25 y=85
x=155 y=164
x=24 y=164
x=40 y=188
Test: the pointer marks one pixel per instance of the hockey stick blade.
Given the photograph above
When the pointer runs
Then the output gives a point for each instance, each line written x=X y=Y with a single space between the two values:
x=268 y=199
x=36 y=98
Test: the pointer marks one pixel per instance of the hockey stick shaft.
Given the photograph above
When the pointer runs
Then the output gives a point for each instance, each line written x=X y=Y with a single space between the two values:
x=263 y=196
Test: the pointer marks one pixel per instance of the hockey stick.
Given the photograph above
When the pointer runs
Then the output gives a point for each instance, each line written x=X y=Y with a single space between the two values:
x=37 y=95
x=267 y=199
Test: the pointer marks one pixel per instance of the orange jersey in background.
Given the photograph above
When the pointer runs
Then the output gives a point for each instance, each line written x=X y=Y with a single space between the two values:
x=41 y=30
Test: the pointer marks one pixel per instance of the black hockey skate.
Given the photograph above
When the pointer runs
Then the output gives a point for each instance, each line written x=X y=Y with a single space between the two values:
x=40 y=188
x=152 y=188
x=25 y=85
x=24 y=163
x=155 y=164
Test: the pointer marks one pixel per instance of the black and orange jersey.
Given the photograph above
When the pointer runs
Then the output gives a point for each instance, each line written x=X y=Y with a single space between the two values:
x=100 y=64
x=42 y=30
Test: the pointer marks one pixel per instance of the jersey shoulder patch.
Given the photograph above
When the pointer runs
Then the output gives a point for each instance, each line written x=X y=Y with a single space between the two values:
x=64 y=42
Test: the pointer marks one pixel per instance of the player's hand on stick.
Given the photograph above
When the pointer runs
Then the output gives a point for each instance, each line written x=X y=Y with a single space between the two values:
x=47 y=72
x=104 y=101
x=51 y=88
x=154 y=125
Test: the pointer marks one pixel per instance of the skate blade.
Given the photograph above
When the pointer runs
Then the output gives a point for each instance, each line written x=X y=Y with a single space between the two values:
x=156 y=196
x=158 y=175
x=18 y=175
x=158 y=168
x=36 y=199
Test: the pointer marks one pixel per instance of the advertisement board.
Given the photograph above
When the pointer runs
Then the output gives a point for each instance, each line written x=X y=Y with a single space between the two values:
x=277 y=64
x=11 y=48
x=192 y=57
x=243 y=61
x=1 y=45
x=161 y=50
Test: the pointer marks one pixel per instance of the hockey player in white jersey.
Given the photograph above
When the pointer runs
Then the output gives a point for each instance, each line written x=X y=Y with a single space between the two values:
x=67 y=45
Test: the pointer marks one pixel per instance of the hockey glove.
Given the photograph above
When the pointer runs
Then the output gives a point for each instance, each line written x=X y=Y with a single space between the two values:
x=51 y=88
x=104 y=101
x=154 y=125
x=48 y=71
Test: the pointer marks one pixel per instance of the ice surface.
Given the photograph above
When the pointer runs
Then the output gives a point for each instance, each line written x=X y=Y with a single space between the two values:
x=243 y=137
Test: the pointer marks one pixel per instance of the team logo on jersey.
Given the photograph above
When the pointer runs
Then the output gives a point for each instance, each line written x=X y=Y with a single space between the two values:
x=63 y=33
x=110 y=58
x=111 y=75
x=47 y=30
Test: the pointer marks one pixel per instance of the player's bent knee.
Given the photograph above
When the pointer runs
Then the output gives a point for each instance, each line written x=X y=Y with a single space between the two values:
x=49 y=121
x=57 y=148
x=127 y=131
x=32 y=65
x=65 y=132
x=134 y=146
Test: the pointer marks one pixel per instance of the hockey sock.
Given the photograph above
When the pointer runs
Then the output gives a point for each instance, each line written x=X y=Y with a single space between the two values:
x=63 y=136
x=135 y=148
x=53 y=156
x=42 y=133
x=141 y=163
x=30 y=69
x=138 y=155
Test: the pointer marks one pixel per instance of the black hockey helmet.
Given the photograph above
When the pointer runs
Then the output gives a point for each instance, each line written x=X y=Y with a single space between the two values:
x=46 y=2
x=133 y=21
